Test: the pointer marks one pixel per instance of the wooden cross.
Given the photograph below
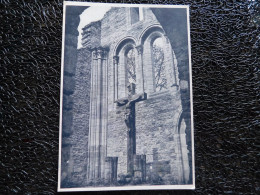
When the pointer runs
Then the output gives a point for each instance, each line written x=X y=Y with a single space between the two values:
x=129 y=103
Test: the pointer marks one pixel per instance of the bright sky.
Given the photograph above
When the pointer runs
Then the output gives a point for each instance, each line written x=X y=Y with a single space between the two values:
x=91 y=14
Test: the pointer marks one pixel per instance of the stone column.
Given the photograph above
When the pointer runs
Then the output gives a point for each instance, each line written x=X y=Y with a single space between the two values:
x=115 y=63
x=104 y=110
x=92 y=118
x=139 y=70
x=98 y=116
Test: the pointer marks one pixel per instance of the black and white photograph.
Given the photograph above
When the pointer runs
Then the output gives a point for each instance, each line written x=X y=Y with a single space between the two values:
x=126 y=114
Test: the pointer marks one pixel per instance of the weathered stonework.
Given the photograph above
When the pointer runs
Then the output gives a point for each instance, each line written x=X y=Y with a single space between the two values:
x=70 y=49
x=99 y=151
x=81 y=116
x=91 y=35
x=157 y=117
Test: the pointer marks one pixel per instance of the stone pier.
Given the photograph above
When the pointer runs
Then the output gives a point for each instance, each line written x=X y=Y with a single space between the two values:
x=98 y=116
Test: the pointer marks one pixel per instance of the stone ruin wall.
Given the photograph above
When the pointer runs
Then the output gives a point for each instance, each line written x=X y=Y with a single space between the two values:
x=155 y=127
x=80 y=104
x=161 y=107
x=114 y=28
x=80 y=126
x=157 y=135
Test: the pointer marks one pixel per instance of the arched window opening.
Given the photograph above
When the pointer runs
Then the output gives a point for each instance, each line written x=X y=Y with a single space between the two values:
x=130 y=66
x=134 y=14
x=159 y=65
x=125 y=68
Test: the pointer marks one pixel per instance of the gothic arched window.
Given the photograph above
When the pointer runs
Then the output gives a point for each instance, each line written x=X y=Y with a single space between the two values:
x=159 y=64
x=130 y=66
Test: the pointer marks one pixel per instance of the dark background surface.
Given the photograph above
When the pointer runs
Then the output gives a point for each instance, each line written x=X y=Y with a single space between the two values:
x=225 y=68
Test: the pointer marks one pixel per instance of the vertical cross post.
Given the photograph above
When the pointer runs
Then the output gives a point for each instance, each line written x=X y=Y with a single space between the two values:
x=129 y=103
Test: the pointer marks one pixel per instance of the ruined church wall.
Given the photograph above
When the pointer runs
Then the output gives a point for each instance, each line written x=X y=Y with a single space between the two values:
x=80 y=127
x=117 y=139
x=155 y=127
x=81 y=105
x=115 y=27
x=156 y=130
x=154 y=117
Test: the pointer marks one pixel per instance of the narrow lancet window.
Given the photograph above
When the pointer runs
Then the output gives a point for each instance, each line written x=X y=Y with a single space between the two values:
x=130 y=66
x=159 y=65
x=134 y=14
x=141 y=14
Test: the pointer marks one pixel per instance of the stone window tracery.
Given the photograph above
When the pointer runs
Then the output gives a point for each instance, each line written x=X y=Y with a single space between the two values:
x=159 y=61
x=130 y=66
x=159 y=65
x=125 y=64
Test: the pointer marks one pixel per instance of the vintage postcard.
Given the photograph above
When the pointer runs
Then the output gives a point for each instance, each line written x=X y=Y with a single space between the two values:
x=126 y=115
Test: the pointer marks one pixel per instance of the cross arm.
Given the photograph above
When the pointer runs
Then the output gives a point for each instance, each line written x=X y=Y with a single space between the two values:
x=133 y=99
x=121 y=102
x=139 y=97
